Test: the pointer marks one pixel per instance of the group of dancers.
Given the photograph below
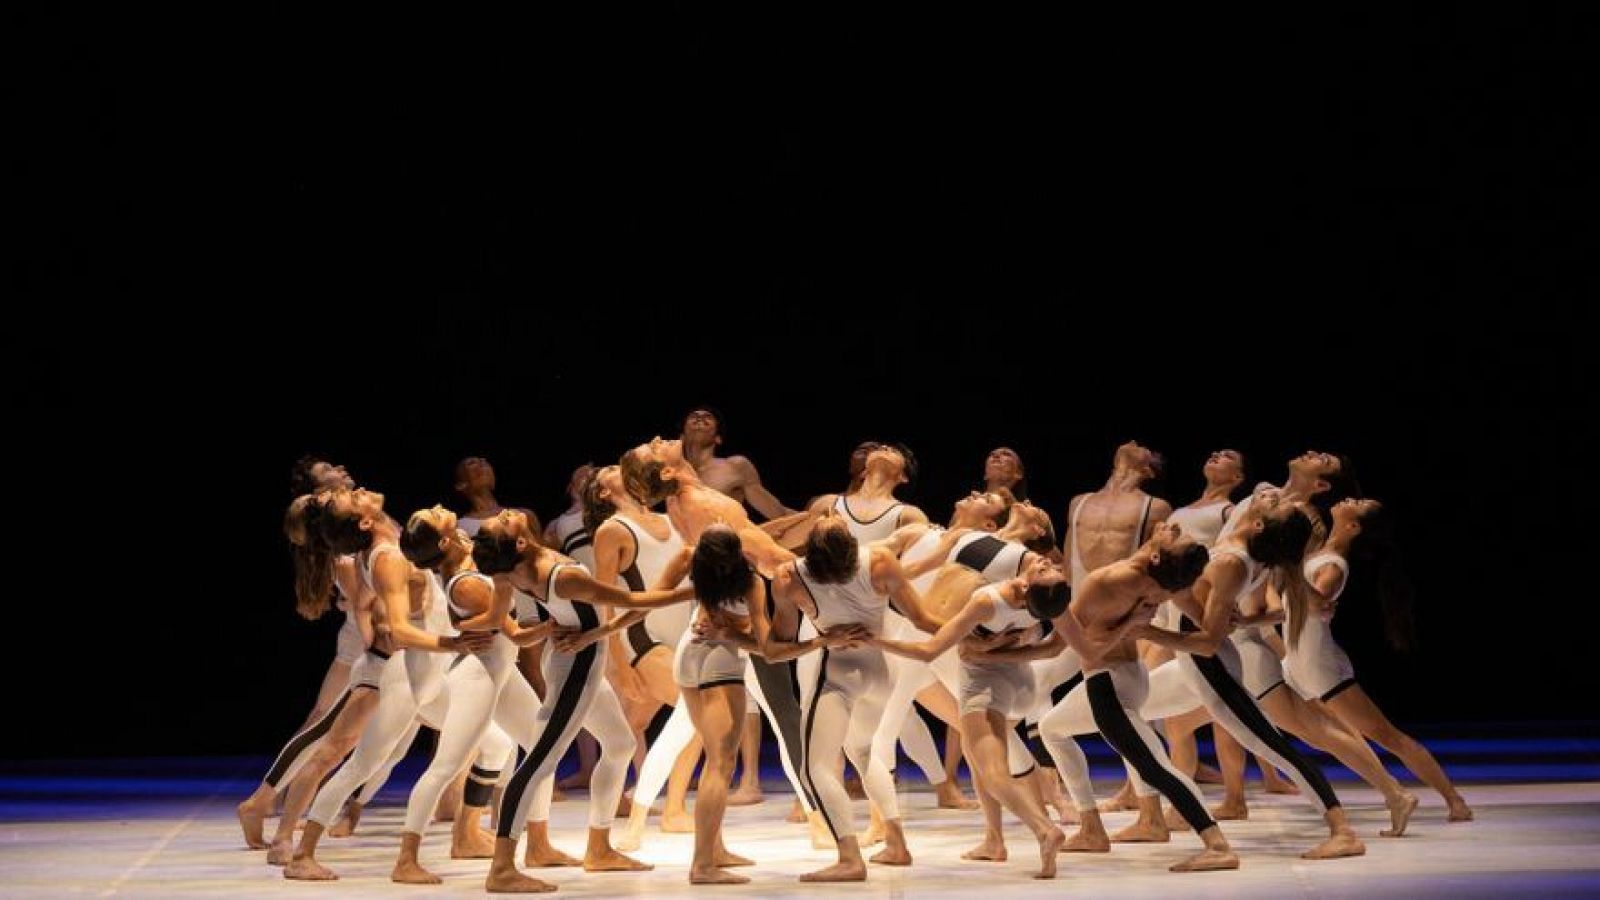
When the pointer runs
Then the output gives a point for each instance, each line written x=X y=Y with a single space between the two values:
x=651 y=631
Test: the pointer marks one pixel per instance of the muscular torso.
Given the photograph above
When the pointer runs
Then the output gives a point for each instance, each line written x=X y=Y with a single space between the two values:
x=1102 y=605
x=722 y=476
x=1106 y=527
x=696 y=507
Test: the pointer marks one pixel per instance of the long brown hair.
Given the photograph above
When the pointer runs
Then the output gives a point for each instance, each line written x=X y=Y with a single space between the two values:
x=313 y=561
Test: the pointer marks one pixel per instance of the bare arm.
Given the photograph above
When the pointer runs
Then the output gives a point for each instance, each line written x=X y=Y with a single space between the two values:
x=779 y=643
x=889 y=578
x=934 y=560
x=961 y=625
x=1213 y=599
x=911 y=515
x=1326 y=584
x=574 y=582
x=755 y=493
x=1071 y=535
x=391 y=579
x=1045 y=649
x=493 y=604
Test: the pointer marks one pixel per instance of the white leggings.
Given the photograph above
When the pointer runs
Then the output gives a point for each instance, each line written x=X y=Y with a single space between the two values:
x=390 y=722
x=907 y=678
x=842 y=706
x=1215 y=680
x=579 y=697
x=679 y=730
x=1108 y=701
x=476 y=683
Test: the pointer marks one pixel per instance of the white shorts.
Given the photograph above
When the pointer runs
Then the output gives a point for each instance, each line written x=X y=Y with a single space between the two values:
x=1319 y=676
x=700 y=664
x=1006 y=688
x=1260 y=668
x=368 y=669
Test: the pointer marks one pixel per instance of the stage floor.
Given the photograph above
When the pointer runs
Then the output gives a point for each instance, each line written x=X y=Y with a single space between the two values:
x=166 y=829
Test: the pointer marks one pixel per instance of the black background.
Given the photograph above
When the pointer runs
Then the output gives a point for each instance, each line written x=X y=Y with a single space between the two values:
x=400 y=240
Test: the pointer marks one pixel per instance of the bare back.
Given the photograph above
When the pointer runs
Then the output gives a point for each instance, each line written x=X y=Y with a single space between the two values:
x=1103 y=604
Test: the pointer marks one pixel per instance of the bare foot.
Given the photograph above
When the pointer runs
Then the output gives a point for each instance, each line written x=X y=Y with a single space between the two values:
x=730 y=860
x=577 y=781
x=1085 y=842
x=1204 y=774
x=1400 y=815
x=746 y=795
x=1124 y=800
x=892 y=856
x=838 y=872
x=1143 y=833
x=797 y=813
x=253 y=822
x=280 y=853
x=514 y=882
x=480 y=845
x=1459 y=811
x=612 y=861
x=1049 y=846
x=1230 y=812
x=307 y=869
x=1175 y=820
x=409 y=871
x=677 y=823
x=347 y=823
x=873 y=835
x=951 y=797
x=1277 y=784
x=1207 y=861
x=548 y=857
x=715 y=876
x=628 y=839
x=992 y=849
x=1343 y=844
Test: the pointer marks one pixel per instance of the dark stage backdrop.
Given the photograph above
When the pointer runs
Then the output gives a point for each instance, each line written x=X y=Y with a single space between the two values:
x=401 y=242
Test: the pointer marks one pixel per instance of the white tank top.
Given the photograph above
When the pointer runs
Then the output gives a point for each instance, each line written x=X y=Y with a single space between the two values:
x=855 y=602
x=1254 y=573
x=456 y=612
x=570 y=613
x=650 y=556
x=1316 y=635
x=1005 y=616
x=1202 y=523
x=369 y=558
x=995 y=559
x=572 y=539
x=875 y=529
x=1235 y=517
x=920 y=549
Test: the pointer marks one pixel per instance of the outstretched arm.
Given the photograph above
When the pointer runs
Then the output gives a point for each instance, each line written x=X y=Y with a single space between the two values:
x=889 y=578
x=755 y=493
x=976 y=610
